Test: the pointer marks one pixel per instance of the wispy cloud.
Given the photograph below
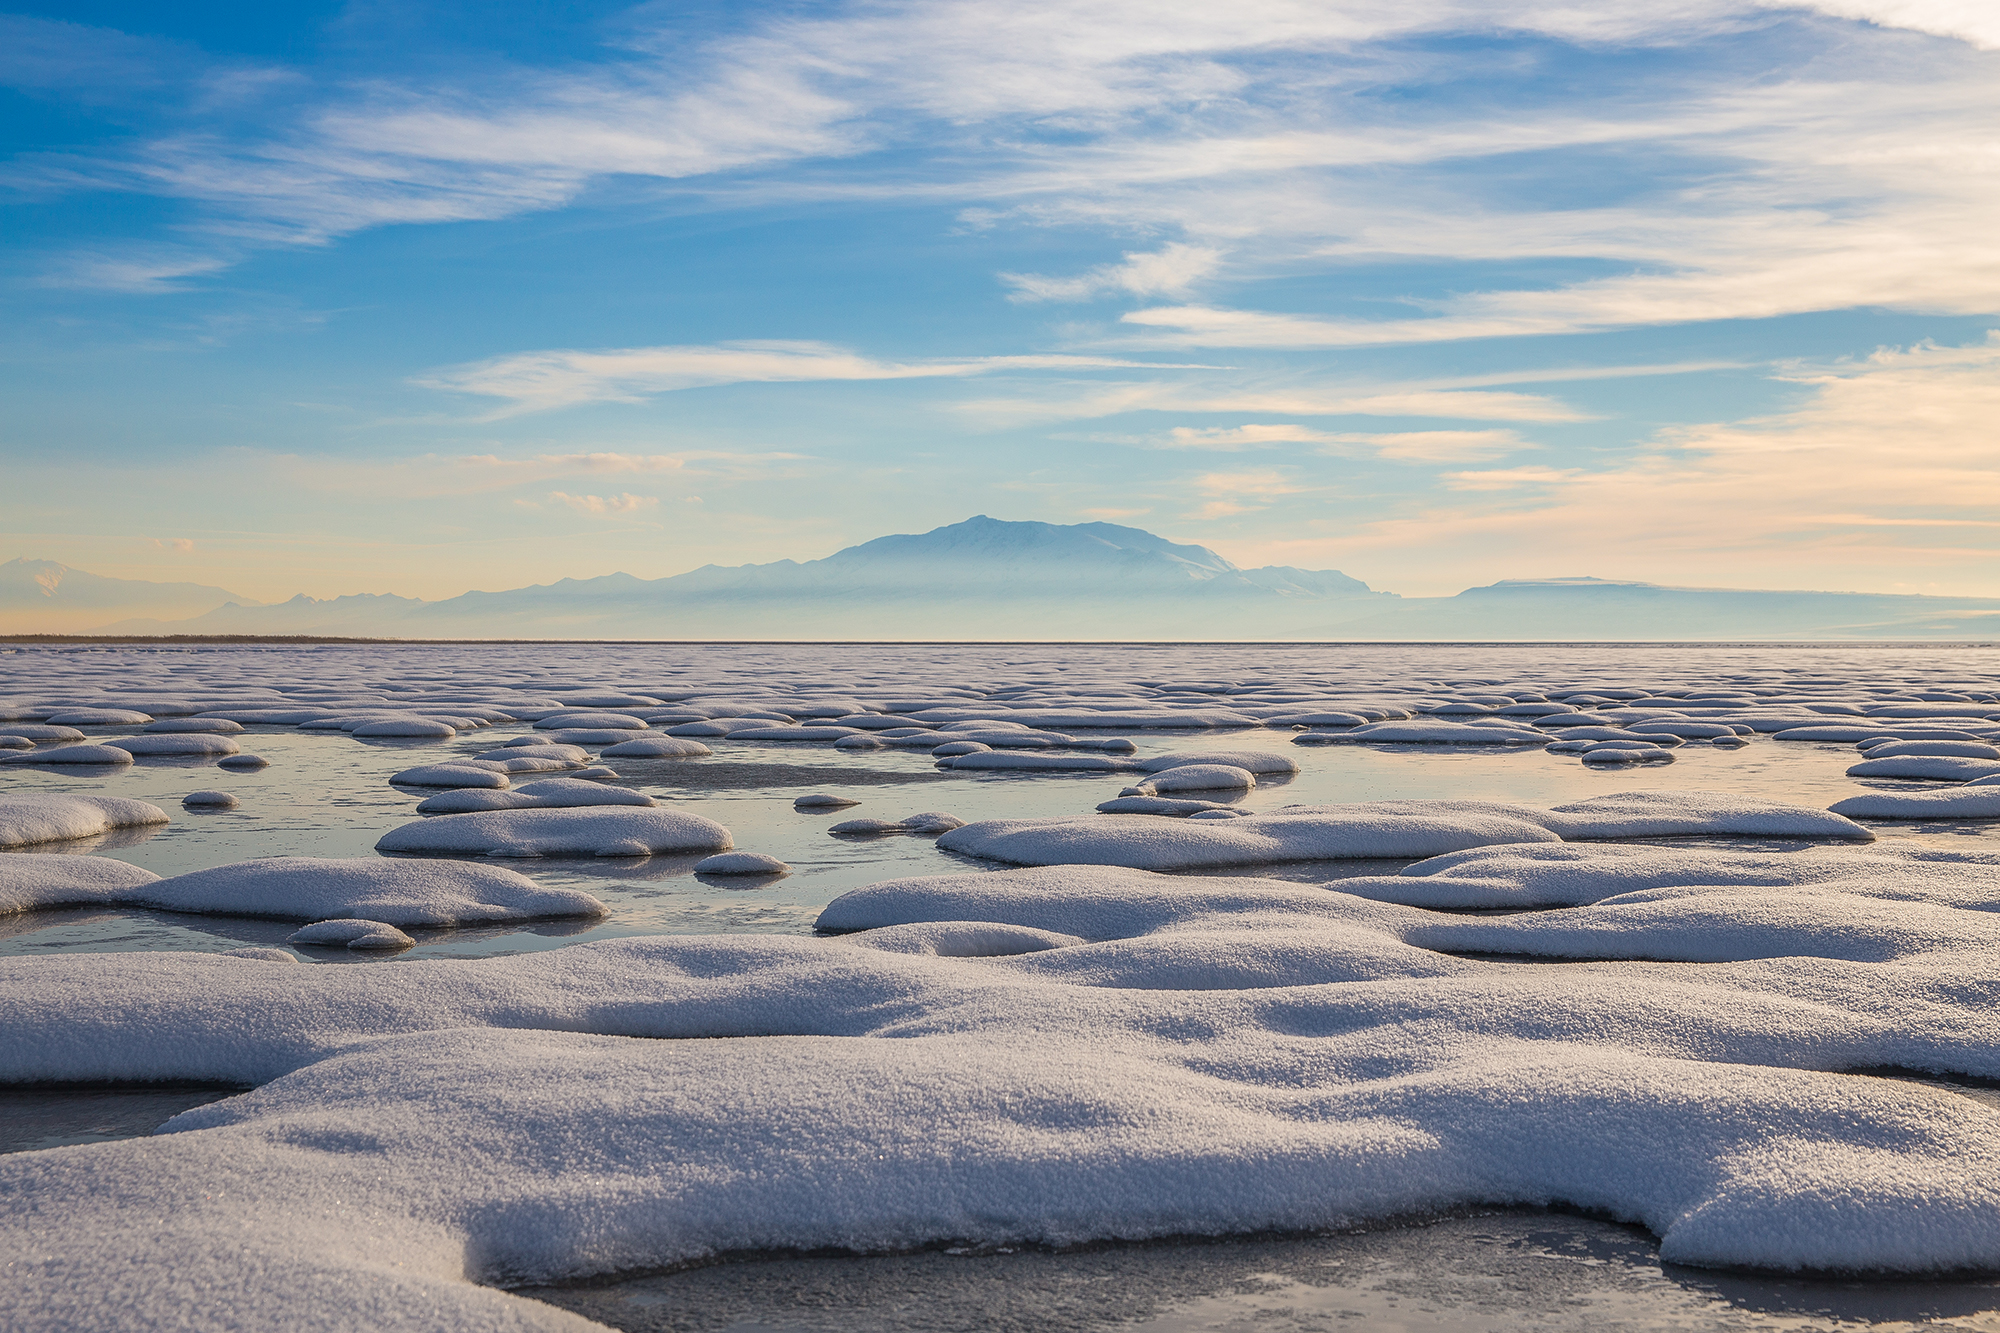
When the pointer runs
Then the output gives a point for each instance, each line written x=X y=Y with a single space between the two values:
x=1173 y=268
x=1885 y=479
x=1086 y=401
x=608 y=505
x=1424 y=446
x=538 y=381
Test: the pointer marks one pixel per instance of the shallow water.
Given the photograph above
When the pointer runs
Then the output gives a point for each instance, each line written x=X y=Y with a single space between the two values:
x=1504 y=1272
x=328 y=794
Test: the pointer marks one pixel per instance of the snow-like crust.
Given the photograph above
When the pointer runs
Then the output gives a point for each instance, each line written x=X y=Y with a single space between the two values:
x=48 y=879
x=1979 y=800
x=1036 y=1055
x=1381 y=829
x=34 y=817
x=574 y=832
x=398 y=892
x=72 y=754
x=177 y=743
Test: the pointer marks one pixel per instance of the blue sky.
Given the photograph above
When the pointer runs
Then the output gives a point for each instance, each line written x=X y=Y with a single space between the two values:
x=418 y=297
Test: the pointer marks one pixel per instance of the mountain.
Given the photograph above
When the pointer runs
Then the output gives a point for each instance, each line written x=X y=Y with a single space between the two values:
x=980 y=579
x=50 y=598
x=995 y=580
x=1605 y=609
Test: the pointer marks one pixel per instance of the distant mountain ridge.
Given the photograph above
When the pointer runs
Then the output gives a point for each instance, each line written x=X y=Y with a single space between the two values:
x=64 y=600
x=992 y=579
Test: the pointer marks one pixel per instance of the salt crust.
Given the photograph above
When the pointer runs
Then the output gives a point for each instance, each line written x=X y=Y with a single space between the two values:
x=1941 y=768
x=72 y=754
x=182 y=743
x=1382 y=829
x=373 y=935
x=35 y=817
x=740 y=863
x=1220 y=1055
x=659 y=747
x=29 y=880
x=578 y=832
x=547 y=794
x=1977 y=800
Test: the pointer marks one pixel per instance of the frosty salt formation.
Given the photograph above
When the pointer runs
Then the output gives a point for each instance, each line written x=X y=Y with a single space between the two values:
x=399 y=892
x=352 y=934
x=567 y=832
x=210 y=799
x=741 y=863
x=547 y=794
x=30 y=880
x=822 y=801
x=111 y=755
x=36 y=817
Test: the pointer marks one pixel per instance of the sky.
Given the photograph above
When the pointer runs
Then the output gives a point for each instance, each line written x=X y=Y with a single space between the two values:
x=421 y=297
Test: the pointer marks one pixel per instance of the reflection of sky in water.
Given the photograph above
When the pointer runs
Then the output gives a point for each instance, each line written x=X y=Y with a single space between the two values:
x=327 y=794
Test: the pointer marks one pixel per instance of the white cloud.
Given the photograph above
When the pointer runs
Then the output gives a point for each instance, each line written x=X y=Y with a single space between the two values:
x=1885 y=479
x=608 y=505
x=538 y=381
x=1172 y=268
x=1080 y=402
x=1423 y=446
x=179 y=545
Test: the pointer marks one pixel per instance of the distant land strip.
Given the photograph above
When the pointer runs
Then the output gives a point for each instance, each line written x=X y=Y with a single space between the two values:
x=1026 y=643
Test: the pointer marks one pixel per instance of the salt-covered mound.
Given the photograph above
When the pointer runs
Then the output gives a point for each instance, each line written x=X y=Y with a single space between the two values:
x=1363 y=829
x=659 y=747
x=177 y=743
x=491 y=774
x=591 y=721
x=35 y=817
x=398 y=893
x=220 y=726
x=1263 y=763
x=620 y=831
x=741 y=863
x=415 y=728
x=1035 y=761
x=210 y=800
x=1937 y=768
x=1433 y=732
x=1383 y=829
x=963 y=939
x=1222 y=1055
x=791 y=733
x=351 y=934
x=927 y=821
x=1980 y=801
x=48 y=879
x=1195 y=777
x=547 y=794
x=97 y=717
x=72 y=754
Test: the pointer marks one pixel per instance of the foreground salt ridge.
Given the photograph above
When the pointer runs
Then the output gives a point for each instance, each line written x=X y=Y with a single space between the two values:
x=1055 y=1054
x=294 y=888
x=1378 y=829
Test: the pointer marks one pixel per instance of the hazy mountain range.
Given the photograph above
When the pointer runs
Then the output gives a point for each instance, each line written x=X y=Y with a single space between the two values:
x=989 y=579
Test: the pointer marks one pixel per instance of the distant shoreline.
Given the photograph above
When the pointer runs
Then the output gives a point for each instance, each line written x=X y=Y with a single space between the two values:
x=314 y=639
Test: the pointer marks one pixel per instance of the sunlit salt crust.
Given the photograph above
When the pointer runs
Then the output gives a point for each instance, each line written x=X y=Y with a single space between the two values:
x=1057 y=1054
x=36 y=817
x=567 y=832
x=1367 y=829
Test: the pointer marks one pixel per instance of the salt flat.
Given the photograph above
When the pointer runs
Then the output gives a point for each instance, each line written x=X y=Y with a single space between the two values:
x=990 y=1015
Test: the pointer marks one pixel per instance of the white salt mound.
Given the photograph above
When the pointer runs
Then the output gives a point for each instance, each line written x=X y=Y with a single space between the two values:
x=402 y=893
x=741 y=863
x=373 y=935
x=1264 y=763
x=822 y=801
x=1939 y=768
x=72 y=754
x=30 y=880
x=962 y=939
x=1196 y=777
x=210 y=800
x=487 y=773
x=244 y=761
x=547 y=794
x=35 y=817
x=97 y=717
x=581 y=832
x=658 y=747
x=16 y=743
x=220 y=726
x=413 y=727
x=186 y=743
x=1981 y=801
